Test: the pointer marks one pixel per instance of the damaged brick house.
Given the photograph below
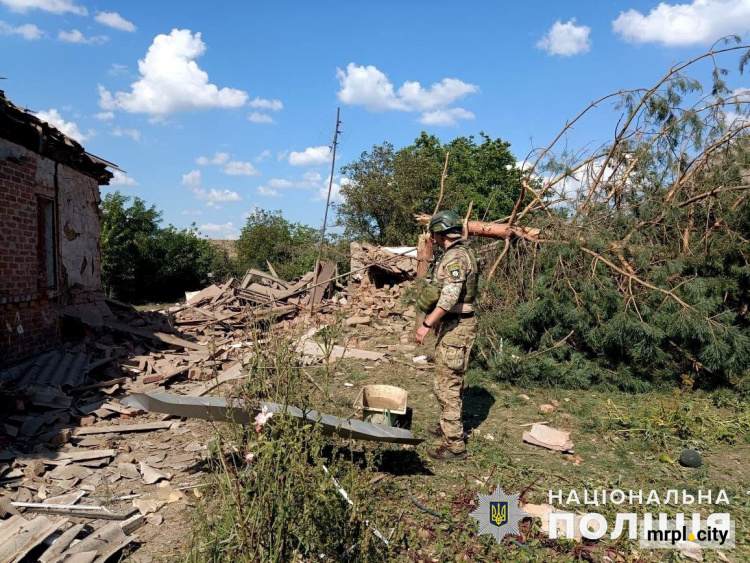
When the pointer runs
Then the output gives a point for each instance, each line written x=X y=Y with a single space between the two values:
x=49 y=230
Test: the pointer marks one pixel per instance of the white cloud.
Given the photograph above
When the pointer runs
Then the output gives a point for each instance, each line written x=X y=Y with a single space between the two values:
x=28 y=31
x=272 y=105
x=445 y=116
x=105 y=116
x=75 y=36
x=369 y=87
x=280 y=183
x=171 y=81
x=53 y=6
x=700 y=22
x=117 y=69
x=311 y=156
x=122 y=179
x=223 y=231
x=68 y=128
x=336 y=196
x=256 y=117
x=282 y=155
x=262 y=190
x=192 y=179
x=113 y=19
x=239 y=168
x=228 y=166
x=212 y=197
x=263 y=156
x=566 y=39
x=220 y=158
x=311 y=176
x=132 y=133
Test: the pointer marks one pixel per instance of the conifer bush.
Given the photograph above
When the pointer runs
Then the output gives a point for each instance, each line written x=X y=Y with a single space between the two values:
x=641 y=276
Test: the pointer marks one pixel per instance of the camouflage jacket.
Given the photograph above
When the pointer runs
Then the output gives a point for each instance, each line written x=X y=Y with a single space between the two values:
x=457 y=274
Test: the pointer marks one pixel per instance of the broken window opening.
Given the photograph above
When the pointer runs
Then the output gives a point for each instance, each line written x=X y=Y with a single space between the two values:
x=46 y=247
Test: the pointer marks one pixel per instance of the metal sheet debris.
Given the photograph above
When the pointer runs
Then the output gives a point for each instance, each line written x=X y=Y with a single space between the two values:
x=221 y=410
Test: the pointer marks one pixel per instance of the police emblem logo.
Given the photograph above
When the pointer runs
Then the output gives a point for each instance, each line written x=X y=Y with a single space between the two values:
x=498 y=514
x=454 y=270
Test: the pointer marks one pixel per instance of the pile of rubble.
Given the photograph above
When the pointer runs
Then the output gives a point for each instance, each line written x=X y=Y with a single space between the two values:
x=70 y=446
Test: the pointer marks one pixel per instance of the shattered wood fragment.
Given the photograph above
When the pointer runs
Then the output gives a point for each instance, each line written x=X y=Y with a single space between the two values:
x=123 y=428
x=52 y=458
x=105 y=542
x=61 y=543
x=109 y=383
x=204 y=295
x=19 y=536
x=160 y=336
x=323 y=283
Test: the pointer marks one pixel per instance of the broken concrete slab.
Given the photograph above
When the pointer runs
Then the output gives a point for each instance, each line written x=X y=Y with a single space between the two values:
x=549 y=438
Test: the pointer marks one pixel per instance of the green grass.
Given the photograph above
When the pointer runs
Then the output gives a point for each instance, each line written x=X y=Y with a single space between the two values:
x=619 y=436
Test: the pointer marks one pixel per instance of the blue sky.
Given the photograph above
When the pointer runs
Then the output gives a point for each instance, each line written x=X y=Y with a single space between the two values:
x=216 y=108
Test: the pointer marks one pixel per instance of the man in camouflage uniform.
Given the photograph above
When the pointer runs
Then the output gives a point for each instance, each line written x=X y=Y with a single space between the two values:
x=454 y=288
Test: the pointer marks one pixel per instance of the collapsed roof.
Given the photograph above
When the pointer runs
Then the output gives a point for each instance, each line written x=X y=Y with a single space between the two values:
x=21 y=127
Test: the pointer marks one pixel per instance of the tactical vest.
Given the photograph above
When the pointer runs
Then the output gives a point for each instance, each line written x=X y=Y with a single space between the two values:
x=471 y=285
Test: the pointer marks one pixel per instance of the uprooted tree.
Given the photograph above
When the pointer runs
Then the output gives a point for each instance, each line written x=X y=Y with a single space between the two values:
x=641 y=273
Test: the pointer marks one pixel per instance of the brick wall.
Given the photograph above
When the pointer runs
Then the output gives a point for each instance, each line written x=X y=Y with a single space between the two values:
x=27 y=324
x=18 y=211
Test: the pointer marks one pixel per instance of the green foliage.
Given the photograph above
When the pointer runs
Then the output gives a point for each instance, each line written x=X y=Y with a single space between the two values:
x=283 y=505
x=642 y=278
x=144 y=262
x=680 y=420
x=291 y=248
x=389 y=186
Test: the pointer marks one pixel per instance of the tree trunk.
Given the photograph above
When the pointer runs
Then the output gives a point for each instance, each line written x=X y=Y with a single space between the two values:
x=491 y=230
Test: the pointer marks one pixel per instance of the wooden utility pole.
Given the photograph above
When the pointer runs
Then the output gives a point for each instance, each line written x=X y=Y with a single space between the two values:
x=325 y=217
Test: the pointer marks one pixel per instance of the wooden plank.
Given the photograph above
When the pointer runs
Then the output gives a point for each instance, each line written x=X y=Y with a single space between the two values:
x=24 y=535
x=122 y=428
x=105 y=541
x=278 y=279
x=222 y=291
x=266 y=291
x=235 y=372
x=324 y=281
x=209 y=292
x=161 y=336
x=246 y=280
x=76 y=510
x=61 y=543
x=167 y=376
x=109 y=383
x=84 y=455
x=264 y=275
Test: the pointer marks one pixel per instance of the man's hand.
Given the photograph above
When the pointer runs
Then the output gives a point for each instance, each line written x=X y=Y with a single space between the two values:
x=422 y=331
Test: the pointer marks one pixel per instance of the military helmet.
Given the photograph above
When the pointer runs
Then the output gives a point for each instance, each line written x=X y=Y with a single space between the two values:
x=445 y=221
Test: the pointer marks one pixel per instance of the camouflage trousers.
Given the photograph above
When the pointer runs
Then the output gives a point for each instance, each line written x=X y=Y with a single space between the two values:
x=455 y=339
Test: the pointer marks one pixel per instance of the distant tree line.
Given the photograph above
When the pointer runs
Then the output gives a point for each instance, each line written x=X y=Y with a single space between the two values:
x=143 y=261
